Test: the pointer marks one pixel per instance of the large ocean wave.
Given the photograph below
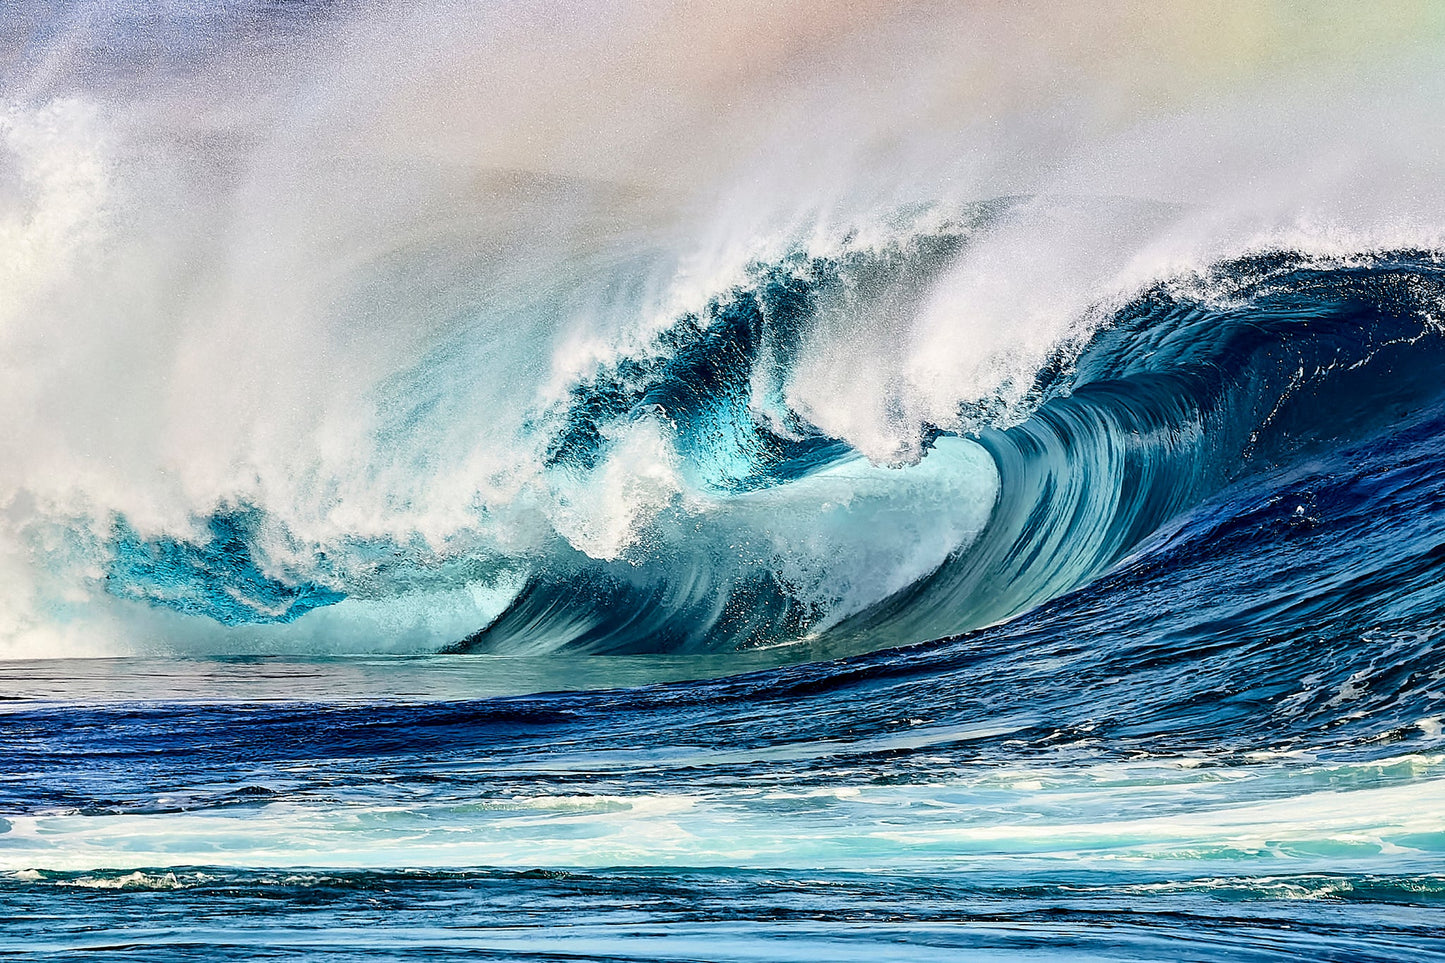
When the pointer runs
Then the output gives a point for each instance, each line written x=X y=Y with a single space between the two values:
x=693 y=508
x=783 y=481
x=298 y=361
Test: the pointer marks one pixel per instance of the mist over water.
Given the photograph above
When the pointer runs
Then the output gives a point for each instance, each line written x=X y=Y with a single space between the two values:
x=334 y=270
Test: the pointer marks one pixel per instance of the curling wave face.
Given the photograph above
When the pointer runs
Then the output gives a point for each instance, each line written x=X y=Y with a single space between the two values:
x=765 y=530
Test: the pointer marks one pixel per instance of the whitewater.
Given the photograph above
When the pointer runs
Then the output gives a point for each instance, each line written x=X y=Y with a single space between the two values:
x=730 y=482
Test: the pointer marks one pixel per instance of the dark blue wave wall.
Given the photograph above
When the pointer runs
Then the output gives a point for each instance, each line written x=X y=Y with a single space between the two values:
x=1182 y=394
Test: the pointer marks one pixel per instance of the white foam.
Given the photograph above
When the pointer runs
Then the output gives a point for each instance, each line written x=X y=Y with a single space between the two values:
x=1265 y=818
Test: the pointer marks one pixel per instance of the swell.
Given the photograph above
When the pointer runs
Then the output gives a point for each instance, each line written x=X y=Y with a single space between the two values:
x=516 y=915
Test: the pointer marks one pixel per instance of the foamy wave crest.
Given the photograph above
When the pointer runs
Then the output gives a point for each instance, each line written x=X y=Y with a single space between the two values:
x=421 y=325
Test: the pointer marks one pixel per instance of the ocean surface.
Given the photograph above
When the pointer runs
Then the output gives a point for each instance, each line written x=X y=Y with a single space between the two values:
x=759 y=482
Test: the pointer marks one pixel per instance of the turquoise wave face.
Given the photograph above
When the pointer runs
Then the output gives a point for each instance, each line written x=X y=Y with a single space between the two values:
x=218 y=578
